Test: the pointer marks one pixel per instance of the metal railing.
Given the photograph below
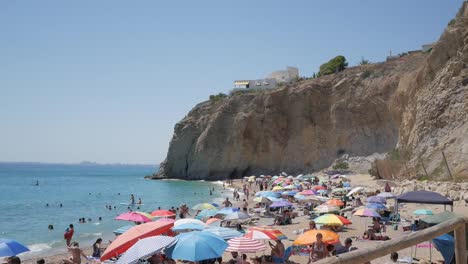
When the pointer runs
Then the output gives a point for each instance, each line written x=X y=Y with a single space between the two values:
x=365 y=255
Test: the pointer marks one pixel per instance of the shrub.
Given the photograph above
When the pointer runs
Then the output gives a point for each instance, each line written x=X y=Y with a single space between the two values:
x=341 y=166
x=364 y=62
x=451 y=22
x=336 y=64
x=366 y=74
x=217 y=97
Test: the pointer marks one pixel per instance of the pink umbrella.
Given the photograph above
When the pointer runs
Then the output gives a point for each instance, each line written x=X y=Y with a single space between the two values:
x=165 y=220
x=245 y=245
x=308 y=192
x=133 y=216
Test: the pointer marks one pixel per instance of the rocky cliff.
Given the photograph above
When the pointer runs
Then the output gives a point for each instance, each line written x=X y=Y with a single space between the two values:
x=416 y=105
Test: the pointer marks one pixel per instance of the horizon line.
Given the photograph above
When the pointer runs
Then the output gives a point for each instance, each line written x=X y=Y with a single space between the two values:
x=80 y=163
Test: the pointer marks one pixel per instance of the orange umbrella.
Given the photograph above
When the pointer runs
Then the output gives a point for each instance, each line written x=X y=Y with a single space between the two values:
x=162 y=213
x=335 y=202
x=123 y=242
x=212 y=220
x=309 y=237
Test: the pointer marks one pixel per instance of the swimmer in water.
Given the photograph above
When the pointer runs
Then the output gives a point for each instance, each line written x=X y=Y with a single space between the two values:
x=132 y=199
x=139 y=201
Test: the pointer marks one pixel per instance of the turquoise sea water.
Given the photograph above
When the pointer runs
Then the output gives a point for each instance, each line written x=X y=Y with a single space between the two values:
x=83 y=191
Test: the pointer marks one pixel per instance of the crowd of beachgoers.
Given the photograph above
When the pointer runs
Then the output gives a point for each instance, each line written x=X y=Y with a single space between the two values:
x=268 y=219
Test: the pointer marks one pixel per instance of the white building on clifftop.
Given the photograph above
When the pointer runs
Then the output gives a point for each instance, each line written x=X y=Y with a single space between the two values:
x=270 y=81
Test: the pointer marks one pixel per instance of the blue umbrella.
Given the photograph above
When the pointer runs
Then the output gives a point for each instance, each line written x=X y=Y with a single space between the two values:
x=227 y=210
x=289 y=193
x=346 y=184
x=446 y=245
x=376 y=199
x=280 y=204
x=376 y=206
x=10 y=247
x=224 y=233
x=268 y=194
x=144 y=248
x=122 y=230
x=188 y=226
x=206 y=213
x=197 y=246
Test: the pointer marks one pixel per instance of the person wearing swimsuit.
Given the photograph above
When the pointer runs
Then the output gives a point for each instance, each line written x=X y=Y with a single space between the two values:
x=319 y=249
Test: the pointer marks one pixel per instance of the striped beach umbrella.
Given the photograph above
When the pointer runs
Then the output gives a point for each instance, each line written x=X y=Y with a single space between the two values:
x=245 y=245
x=265 y=234
x=325 y=208
x=332 y=220
x=145 y=248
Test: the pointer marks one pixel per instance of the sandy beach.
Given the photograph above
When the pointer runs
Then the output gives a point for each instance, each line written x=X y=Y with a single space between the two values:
x=299 y=223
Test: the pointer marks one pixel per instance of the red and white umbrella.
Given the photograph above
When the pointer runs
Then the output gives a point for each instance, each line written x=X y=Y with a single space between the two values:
x=245 y=245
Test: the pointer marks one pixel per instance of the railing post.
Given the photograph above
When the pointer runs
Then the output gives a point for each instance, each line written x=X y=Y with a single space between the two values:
x=460 y=244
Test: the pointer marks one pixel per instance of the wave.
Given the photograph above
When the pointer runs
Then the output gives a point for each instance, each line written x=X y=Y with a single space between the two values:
x=39 y=247
x=89 y=235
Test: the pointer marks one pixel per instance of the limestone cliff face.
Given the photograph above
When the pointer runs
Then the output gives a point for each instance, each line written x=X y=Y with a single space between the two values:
x=417 y=103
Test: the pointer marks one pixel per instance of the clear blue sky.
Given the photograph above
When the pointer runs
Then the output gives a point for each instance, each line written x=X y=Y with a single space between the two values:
x=107 y=81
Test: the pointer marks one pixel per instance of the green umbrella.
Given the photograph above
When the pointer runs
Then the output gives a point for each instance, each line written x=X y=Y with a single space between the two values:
x=439 y=218
x=423 y=212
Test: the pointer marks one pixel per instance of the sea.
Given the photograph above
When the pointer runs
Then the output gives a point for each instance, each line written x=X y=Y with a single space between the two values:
x=34 y=196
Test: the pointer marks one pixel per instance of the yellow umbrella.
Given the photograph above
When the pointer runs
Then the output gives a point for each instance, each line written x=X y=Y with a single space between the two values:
x=277 y=188
x=145 y=214
x=203 y=206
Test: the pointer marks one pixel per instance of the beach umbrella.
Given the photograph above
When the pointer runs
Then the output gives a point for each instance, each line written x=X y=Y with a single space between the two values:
x=196 y=246
x=319 y=187
x=267 y=194
x=332 y=220
x=277 y=188
x=122 y=230
x=309 y=237
x=236 y=216
x=290 y=187
x=134 y=217
x=439 y=218
x=446 y=245
x=376 y=206
x=262 y=200
x=145 y=214
x=366 y=212
x=188 y=221
x=280 y=204
x=131 y=236
x=355 y=190
x=223 y=232
x=188 y=226
x=203 y=206
x=346 y=184
x=206 y=213
x=326 y=208
x=165 y=220
x=322 y=192
x=245 y=245
x=10 y=247
x=308 y=192
x=423 y=212
x=265 y=234
x=227 y=210
x=289 y=193
x=213 y=222
x=335 y=202
x=145 y=248
x=376 y=199
x=162 y=213
x=386 y=195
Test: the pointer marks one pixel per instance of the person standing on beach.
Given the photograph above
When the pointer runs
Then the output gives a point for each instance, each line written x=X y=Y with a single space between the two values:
x=227 y=203
x=69 y=234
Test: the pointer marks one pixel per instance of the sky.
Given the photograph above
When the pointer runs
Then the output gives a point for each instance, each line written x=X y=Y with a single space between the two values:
x=107 y=80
